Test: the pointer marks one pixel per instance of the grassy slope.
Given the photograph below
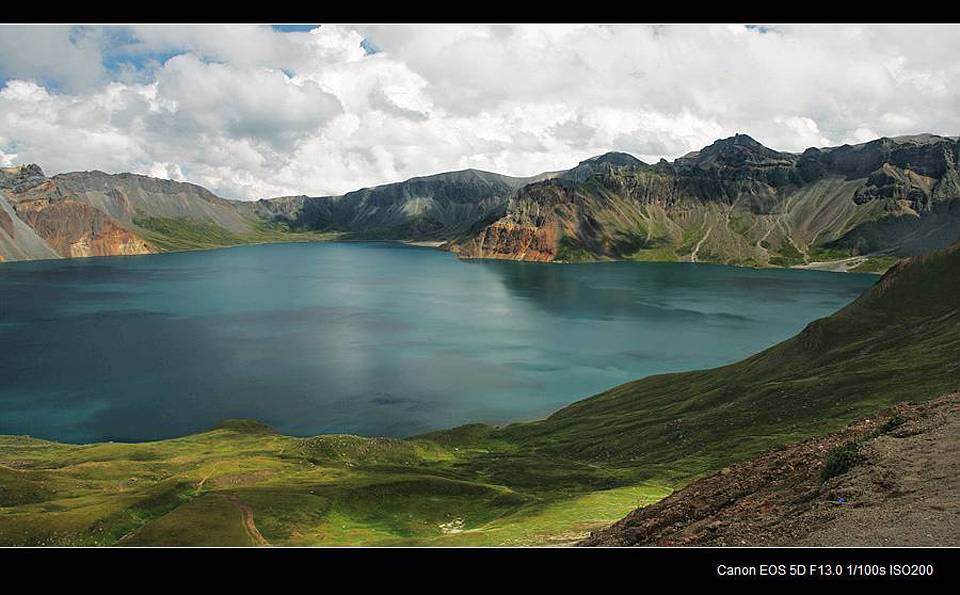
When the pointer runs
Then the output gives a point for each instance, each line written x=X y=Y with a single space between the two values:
x=898 y=342
x=327 y=490
x=541 y=482
x=176 y=234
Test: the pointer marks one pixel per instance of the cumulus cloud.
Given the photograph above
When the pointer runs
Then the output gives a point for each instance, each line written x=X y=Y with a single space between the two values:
x=69 y=57
x=250 y=112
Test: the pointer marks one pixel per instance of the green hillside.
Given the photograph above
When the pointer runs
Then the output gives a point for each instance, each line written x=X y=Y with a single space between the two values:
x=543 y=482
x=173 y=234
x=899 y=342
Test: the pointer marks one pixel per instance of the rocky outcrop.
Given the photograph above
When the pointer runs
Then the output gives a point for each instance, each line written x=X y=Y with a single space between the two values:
x=42 y=219
x=75 y=229
x=6 y=224
x=890 y=480
x=21 y=177
x=508 y=240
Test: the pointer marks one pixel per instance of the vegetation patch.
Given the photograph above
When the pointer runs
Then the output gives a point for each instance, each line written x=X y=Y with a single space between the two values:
x=841 y=460
x=879 y=264
x=173 y=234
x=569 y=251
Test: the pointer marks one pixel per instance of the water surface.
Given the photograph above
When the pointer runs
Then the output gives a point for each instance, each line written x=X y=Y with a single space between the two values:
x=369 y=338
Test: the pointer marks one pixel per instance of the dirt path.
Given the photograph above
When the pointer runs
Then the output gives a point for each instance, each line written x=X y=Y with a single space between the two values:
x=904 y=491
x=249 y=526
x=696 y=249
x=840 y=266
x=773 y=225
x=780 y=220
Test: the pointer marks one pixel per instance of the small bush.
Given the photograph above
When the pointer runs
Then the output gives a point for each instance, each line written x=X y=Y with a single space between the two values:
x=893 y=423
x=840 y=460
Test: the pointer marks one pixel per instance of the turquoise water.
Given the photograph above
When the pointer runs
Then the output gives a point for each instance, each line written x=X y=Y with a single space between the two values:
x=369 y=338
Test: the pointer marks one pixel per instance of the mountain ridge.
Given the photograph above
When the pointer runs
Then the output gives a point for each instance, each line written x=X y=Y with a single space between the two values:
x=738 y=202
x=735 y=201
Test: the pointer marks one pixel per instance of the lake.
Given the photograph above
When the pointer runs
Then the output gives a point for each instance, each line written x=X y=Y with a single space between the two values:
x=370 y=338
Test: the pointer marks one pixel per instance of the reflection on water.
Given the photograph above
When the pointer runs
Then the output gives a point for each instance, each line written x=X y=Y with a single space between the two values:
x=370 y=338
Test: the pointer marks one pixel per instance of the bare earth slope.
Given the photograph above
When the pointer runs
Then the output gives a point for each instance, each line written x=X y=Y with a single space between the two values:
x=902 y=489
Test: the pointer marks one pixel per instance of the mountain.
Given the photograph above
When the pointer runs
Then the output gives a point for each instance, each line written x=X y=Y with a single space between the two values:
x=97 y=214
x=738 y=202
x=93 y=213
x=854 y=207
x=555 y=480
x=438 y=207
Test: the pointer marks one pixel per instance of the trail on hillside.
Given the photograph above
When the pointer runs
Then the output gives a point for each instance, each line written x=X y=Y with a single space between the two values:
x=696 y=249
x=248 y=525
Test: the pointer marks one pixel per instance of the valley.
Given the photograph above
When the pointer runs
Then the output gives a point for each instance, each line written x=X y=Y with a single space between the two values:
x=358 y=285
x=542 y=482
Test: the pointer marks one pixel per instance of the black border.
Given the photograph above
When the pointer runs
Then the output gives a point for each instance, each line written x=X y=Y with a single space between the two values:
x=456 y=569
x=451 y=569
x=491 y=11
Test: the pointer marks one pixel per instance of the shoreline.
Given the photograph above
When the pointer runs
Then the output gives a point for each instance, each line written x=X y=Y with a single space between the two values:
x=844 y=265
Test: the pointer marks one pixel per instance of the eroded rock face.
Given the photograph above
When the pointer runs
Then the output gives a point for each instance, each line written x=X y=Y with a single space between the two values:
x=75 y=229
x=21 y=177
x=6 y=224
x=510 y=241
x=66 y=222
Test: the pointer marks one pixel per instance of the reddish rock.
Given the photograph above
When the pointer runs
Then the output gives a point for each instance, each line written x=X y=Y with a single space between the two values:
x=75 y=229
x=6 y=223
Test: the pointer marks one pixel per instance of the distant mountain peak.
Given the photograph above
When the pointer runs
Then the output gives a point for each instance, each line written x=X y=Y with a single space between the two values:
x=609 y=160
x=744 y=141
x=20 y=177
x=615 y=158
x=28 y=168
x=732 y=150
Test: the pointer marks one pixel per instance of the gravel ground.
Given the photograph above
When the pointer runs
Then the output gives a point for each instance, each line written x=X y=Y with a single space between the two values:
x=903 y=491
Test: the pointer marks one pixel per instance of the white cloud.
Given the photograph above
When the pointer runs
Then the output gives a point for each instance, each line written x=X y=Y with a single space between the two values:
x=251 y=112
x=71 y=56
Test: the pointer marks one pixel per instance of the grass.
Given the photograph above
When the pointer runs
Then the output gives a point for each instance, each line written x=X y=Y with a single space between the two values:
x=178 y=234
x=569 y=251
x=325 y=490
x=544 y=482
x=878 y=264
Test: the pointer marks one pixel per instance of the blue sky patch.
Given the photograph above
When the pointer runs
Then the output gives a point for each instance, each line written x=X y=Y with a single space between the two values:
x=369 y=47
x=294 y=28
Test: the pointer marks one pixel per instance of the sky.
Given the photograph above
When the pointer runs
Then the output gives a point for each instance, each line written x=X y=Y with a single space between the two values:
x=253 y=111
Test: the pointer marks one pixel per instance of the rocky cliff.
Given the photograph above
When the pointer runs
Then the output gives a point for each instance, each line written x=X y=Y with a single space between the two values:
x=83 y=214
x=738 y=202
